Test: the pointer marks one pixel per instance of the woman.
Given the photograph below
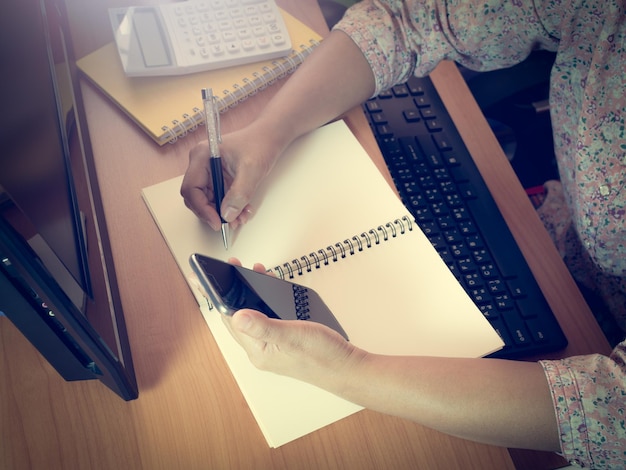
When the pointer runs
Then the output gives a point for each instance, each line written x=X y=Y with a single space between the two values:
x=575 y=406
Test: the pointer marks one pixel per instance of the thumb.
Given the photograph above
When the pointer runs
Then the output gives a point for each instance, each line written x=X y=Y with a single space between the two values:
x=252 y=324
x=233 y=204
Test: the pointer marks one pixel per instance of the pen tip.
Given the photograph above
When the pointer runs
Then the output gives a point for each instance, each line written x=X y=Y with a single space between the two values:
x=225 y=235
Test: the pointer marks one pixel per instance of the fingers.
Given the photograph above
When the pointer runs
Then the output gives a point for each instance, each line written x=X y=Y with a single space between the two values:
x=304 y=350
x=271 y=344
x=248 y=175
x=243 y=171
x=249 y=157
x=197 y=187
x=258 y=267
x=286 y=336
x=252 y=324
x=254 y=332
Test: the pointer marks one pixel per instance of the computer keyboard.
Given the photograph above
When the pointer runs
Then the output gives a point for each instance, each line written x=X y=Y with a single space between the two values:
x=443 y=189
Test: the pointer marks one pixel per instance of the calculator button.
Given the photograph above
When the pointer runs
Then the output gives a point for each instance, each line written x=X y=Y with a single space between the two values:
x=247 y=45
x=263 y=42
x=225 y=25
x=255 y=20
x=278 y=39
x=273 y=28
x=202 y=6
x=229 y=36
x=233 y=47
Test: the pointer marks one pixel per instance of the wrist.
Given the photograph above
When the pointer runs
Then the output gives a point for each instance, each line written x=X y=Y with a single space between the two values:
x=277 y=133
x=347 y=373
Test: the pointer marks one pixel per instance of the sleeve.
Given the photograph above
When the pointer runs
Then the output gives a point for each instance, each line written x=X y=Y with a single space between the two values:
x=589 y=395
x=399 y=38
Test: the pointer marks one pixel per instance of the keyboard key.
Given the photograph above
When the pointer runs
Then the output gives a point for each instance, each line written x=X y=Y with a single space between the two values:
x=415 y=89
x=517 y=329
x=384 y=130
x=421 y=102
x=379 y=118
x=433 y=125
x=537 y=330
x=480 y=295
x=442 y=141
x=400 y=91
x=496 y=287
x=373 y=106
x=427 y=113
x=411 y=115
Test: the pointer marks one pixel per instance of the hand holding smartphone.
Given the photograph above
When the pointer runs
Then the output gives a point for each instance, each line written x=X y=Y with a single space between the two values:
x=231 y=288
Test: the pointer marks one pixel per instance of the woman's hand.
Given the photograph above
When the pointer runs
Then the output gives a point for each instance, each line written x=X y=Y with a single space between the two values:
x=305 y=350
x=248 y=155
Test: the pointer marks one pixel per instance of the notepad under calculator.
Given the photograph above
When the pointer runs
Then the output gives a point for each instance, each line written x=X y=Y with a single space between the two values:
x=167 y=108
x=326 y=216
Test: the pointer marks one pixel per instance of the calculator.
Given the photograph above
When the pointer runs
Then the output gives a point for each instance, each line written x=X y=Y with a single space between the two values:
x=197 y=35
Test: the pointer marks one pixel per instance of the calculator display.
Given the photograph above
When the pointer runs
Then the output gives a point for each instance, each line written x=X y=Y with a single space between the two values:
x=151 y=38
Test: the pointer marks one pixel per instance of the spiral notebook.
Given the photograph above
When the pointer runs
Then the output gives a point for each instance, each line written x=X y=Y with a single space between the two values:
x=167 y=108
x=327 y=218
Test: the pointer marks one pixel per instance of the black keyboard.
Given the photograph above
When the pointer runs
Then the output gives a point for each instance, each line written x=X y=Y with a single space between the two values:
x=444 y=191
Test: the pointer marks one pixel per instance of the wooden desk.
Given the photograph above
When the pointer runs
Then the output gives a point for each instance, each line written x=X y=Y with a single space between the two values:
x=190 y=413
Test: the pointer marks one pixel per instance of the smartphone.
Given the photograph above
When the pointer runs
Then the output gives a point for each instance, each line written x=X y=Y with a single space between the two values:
x=231 y=288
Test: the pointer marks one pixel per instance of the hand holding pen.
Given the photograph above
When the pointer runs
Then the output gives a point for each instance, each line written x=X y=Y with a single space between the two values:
x=247 y=156
x=212 y=119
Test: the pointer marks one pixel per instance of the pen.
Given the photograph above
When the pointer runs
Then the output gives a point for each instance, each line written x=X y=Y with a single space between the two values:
x=212 y=121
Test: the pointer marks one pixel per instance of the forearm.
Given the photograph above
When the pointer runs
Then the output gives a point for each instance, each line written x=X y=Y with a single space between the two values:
x=494 y=401
x=498 y=402
x=332 y=80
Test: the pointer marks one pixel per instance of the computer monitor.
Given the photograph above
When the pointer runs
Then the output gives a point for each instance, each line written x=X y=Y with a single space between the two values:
x=57 y=278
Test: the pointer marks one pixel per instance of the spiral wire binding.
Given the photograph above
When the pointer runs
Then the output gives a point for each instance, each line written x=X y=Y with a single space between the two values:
x=280 y=69
x=340 y=250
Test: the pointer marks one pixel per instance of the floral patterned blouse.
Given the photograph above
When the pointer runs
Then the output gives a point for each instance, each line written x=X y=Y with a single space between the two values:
x=588 y=112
